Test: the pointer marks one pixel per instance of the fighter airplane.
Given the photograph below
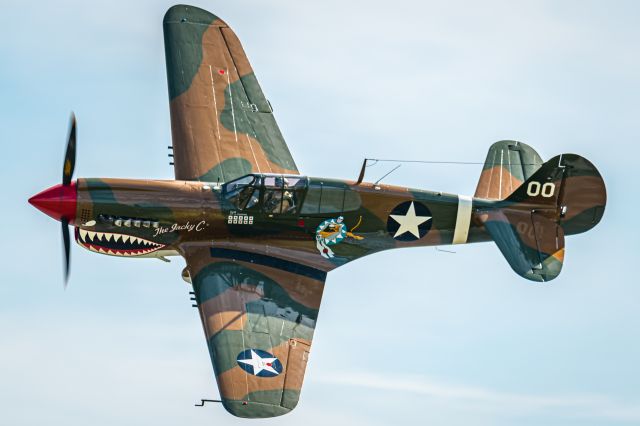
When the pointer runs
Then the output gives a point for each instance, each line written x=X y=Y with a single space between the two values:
x=259 y=237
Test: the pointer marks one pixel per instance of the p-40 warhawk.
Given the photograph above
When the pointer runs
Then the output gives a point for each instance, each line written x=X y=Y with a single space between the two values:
x=259 y=238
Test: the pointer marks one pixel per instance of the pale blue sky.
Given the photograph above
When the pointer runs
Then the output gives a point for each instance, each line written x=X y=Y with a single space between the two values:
x=412 y=336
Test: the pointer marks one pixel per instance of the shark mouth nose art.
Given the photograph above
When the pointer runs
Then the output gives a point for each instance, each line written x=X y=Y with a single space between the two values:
x=115 y=244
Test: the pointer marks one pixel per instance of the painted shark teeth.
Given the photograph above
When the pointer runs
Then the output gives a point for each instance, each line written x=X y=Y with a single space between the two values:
x=102 y=242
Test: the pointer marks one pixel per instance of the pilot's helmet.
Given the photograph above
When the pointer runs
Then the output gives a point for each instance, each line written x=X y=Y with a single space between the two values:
x=281 y=181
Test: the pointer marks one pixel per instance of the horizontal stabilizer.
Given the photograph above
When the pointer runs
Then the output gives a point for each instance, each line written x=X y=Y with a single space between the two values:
x=566 y=195
x=532 y=243
x=508 y=164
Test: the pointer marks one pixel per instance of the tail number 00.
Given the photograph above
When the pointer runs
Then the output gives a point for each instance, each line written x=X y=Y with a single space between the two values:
x=536 y=188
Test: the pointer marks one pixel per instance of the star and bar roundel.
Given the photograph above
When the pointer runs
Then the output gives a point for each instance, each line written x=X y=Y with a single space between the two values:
x=409 y=221
x=259 y=363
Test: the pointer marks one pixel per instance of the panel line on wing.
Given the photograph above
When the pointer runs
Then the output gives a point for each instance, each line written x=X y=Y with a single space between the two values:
x=217 y=120
x=244 y=348
x=215 y=102
x=235 y=65
x=233 y=113
x=253 y=153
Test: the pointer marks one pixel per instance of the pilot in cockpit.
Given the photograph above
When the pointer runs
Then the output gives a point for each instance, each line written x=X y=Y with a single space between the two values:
x=279 y=199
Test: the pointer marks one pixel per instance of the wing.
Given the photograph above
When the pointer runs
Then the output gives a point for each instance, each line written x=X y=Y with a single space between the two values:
x=258 y=313
x=221 y=123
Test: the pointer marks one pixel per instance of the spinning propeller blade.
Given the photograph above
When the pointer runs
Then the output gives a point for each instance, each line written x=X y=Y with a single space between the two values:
x=70 y=156
x=67 y=174
x=60 y=201
x=67 y=249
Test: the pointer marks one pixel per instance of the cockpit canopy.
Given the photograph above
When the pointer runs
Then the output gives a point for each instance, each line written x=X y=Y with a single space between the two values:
x=290 y=195
x=273 y=194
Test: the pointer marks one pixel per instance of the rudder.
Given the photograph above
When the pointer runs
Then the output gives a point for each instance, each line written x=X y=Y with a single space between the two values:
x=571 y=186
x=566 y=195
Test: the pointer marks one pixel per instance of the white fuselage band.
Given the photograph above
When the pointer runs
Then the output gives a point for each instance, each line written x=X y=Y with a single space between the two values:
x=463 y=220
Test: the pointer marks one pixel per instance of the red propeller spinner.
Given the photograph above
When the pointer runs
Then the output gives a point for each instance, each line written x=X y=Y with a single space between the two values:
x=60 y=201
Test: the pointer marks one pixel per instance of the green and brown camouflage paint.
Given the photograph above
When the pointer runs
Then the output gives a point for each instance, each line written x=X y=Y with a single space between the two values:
x=258 y=283
x=263 y=289
x=215 y=96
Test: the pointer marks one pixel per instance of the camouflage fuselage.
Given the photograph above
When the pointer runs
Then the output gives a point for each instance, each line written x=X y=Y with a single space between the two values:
x=166 y=214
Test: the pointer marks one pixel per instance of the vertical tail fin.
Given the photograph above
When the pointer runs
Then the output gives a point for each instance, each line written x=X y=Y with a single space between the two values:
x=571 y=186
x=566 y=195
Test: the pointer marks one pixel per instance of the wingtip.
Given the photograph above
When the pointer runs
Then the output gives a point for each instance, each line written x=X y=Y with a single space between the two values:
x=254 y=410
x=185 y=13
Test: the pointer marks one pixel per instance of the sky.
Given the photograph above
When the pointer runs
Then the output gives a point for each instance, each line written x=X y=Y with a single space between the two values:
x=414 y=336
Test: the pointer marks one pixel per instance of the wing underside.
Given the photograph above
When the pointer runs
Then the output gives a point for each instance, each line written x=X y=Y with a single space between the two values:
x=222 y=125
x=259 y=317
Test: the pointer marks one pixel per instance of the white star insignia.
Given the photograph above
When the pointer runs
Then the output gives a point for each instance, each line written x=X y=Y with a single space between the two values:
x=259 y=363
x=409 y=222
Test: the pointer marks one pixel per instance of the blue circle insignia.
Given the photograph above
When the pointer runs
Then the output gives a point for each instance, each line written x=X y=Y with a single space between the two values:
x=259 y=363
x=409 y=221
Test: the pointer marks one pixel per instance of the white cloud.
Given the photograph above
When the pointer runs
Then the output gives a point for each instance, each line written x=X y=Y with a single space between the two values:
x=485 y=399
